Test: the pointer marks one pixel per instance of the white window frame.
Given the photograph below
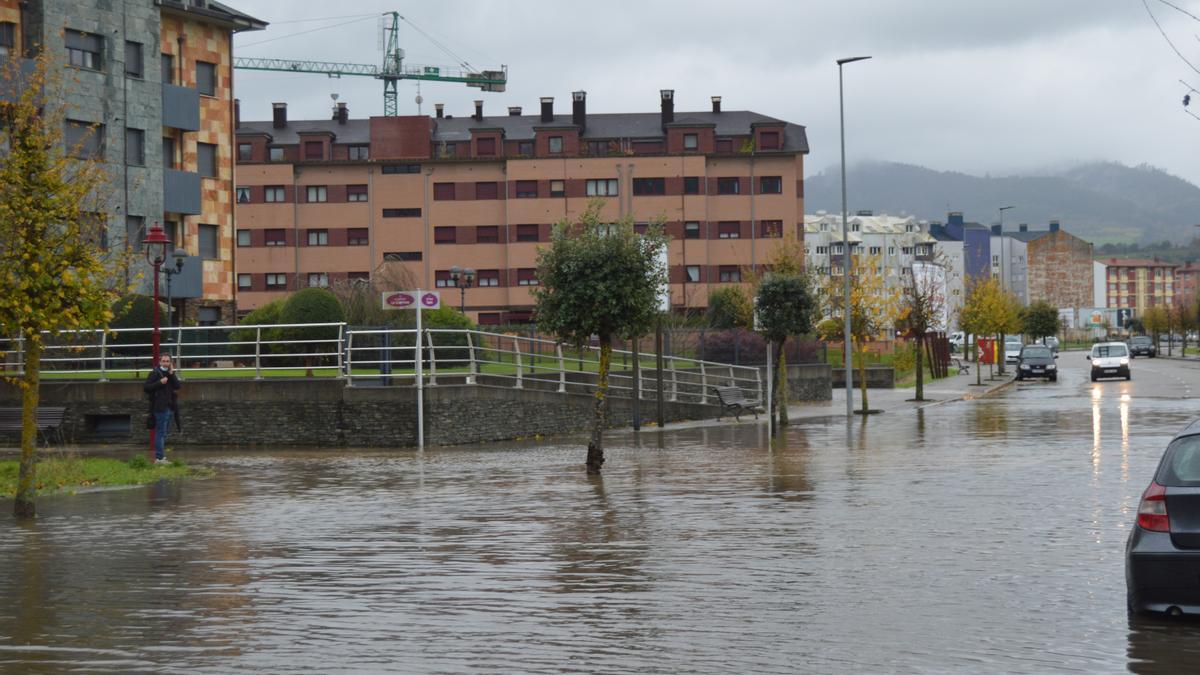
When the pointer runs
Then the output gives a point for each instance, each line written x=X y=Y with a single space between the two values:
x=320 y=191
x=602 y=187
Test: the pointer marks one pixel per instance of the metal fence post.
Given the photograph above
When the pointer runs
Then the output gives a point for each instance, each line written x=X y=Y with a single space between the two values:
x=341 y=339
x=350 y=358
x=517 y=357
x=258 y=352
x=432 y=358
x=703 y=384
x=103 y=359
x=758 y=385
x=562 y=368
x=471 y=357
x=674 y=379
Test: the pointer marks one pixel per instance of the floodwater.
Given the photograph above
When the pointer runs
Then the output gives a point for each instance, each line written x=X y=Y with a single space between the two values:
x=976 y=536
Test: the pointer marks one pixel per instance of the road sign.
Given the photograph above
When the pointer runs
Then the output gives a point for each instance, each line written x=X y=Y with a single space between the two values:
x=409 y=299
x=433 y=70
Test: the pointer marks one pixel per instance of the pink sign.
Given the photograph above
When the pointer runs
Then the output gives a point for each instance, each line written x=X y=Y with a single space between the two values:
x=408 y=299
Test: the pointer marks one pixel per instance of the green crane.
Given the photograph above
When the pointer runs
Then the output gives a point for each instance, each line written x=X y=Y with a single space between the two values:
x=392 y=70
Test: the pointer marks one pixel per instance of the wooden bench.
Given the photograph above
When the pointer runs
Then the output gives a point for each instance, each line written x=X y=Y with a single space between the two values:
x=49 y=422
x=734 y=400
x=964 y=367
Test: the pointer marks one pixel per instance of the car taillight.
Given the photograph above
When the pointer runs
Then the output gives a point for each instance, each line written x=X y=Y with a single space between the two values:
x=1152 y=512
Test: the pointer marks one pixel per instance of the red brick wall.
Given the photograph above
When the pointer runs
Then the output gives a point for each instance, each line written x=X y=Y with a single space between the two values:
x=1060 y=270
x=401 y=137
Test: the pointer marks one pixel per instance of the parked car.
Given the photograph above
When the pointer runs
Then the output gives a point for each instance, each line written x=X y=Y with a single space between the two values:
x=1110 y=359
x=1163 y=550
x=1037 y=361
x=1142 y=345
x=1012 y=350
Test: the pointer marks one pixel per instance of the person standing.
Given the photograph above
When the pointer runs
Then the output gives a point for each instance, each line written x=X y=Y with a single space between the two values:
x=161 y=387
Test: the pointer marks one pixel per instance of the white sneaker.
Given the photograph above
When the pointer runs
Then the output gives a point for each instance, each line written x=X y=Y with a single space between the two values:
x=162 y=461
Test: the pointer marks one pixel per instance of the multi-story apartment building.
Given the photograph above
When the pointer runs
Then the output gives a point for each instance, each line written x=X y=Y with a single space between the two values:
x=895 y=241
x=1186 y=284
x=1049 y=265
x=1139 y=284
x=323 y=200
x=163 y=126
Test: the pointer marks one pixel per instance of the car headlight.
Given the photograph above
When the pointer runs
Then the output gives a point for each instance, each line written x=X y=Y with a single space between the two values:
x=1124 y=361
x=1051 y=367
x=1024 y=366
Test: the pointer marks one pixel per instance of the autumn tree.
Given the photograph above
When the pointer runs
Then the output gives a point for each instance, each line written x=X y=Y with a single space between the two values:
x=1155 y=321
x=55 y=273
x=729 y=307
x=923 y=309
x=599 y=279
x=990 y=310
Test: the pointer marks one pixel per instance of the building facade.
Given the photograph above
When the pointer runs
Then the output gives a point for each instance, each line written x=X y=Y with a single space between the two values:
x=895 y=241
x=328 y=201
x=1139 y=284
x=1059 y=268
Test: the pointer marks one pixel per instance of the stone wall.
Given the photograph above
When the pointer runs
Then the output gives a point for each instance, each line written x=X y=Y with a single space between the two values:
x=878 y=377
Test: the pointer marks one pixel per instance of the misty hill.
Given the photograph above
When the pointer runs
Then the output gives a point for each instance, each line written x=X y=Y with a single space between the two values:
x=1102 y=202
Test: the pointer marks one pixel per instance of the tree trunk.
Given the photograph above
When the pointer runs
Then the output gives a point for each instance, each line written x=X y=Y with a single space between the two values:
x=23 y=506
x=920 y=367
x=781 y=390
x=1003 y=355
x=595 y=453
x=978 y=373
x=862 y=374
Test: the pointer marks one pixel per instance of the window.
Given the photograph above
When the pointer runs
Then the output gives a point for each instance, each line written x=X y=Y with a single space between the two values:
x=276 y=282
x=525 y=148
x=729 y=273
x=243 y=237
x=275 y=237
x=725 y=145
x=691 y=230
x=770 y=185
x=443 y=191
x=273 y=193
x=359 y=152
x=690 y=141
x=314 y=150
x=768 y=140
x=172 y=230
x=318 y=280
x=206 y=159
x=649 y=186
x=527 y=232
x=445 y=235
x=245 y=152
x=168 y=69
x=318 y=237
x=907 y=250
x=133 y=59
x=692 y=273
x=405 y=256
x=691 y=185
x=555 y=145
x=489 y=318
x=243 y=195
x=837 y=249
x=135 y=232
x=244 y=282
x=84 y=49
x=401 y=168
x=558 y=188
x=822 y=250
x=487 y=234
x=315 y=194
x=206 y=78
x=490 y=190
x=448 y=150
x=208 y=316
x=358 y=277
x=603 y=187
x=356 y=236
x=729 y=186
x=770 y=229
x=356 y=193
x=208 y=241
x=527 y=189
x=527 y=276
x=891 y=250
x=487 y=278
x=485 y=147
x=402 y=213
x=275 y=154
x=84 y=139
x=876 y=250
x=135 y=147
x=8 y=38
x=729 y=229
x=441 y=279
x=598 y=148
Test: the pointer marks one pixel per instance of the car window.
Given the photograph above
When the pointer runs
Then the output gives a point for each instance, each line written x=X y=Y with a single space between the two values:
x=1035 y=352
x=1108 y=351
x=1141 y=340
x=1182 y=467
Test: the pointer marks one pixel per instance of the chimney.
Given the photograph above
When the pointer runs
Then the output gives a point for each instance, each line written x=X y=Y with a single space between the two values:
x=865 y=212
x=343 y=112
x=579 y=109
x=716 y=101
x=479 y=111
x=954 y=218
x=514 y=111
x=440 y=108
x=1023 y=227
x=237 y=113
x=668 y=106
x=996 y=231
x=279 y=115
x=1054 y=226
x=547 y=109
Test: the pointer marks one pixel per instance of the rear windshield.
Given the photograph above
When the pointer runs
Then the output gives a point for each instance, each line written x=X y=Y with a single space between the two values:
x=1036 y=352
x=1142 y=340
x=1106 y=351
x=1181 y=468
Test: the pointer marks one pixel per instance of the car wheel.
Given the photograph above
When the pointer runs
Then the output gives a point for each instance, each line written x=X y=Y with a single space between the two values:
x=1093 y=377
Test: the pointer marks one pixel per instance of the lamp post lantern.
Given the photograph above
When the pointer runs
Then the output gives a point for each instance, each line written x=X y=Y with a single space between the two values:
x=155 y=245
x=847 y=350
x=179 y=255
x=463 y=279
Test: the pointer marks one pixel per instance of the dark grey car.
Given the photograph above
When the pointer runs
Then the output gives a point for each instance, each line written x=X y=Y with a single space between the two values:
x=1037 y=361
x=1142 y=345
x=1162 y=557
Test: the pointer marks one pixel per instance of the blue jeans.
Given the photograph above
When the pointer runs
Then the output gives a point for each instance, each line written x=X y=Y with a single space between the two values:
x=162 y=424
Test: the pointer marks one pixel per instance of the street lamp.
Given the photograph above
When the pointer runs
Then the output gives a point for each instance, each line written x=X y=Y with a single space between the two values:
x=463 y=279
x=155 y=245
x=847 y=358
x=1003 y=272
x=179 y=255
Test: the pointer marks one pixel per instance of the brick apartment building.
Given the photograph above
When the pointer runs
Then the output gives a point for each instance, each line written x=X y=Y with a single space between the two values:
x=1054 y=265
x=1139 y=284
x=341 y=198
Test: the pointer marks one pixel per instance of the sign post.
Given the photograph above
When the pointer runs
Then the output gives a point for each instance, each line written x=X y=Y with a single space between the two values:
x=417 y=300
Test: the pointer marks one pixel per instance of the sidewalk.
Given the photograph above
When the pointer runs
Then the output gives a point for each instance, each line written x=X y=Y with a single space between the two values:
x=937 y=392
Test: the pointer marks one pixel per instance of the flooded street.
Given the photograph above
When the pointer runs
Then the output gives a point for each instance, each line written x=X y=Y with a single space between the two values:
x=982 y=535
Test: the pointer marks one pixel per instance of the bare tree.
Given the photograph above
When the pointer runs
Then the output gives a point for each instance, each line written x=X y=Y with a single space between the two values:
x=924 y=308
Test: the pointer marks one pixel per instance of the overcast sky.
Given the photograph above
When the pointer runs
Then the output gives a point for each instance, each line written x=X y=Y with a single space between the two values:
x=999 y=87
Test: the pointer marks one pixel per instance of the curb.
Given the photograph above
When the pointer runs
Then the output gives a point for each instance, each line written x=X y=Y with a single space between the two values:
x=970 y=396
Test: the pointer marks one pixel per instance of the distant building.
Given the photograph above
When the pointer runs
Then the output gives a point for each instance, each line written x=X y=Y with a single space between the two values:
x=1057 y=266
x=1099 y=284
x=1186 y=284
x=1139 y=284
x=895 y=241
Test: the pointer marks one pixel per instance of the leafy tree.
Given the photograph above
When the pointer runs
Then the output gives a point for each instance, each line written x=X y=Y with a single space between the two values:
x=263 y=315
x=310 y=305
x=786 y=307
x=1155 y=321
x=55 y=273
x=1039 y=320
x=924 y=309
x=599 y=279
x=730 y=307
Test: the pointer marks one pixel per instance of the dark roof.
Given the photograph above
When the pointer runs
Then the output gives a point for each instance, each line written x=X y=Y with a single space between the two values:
x=216 y=11
x=353 y=131
x=1028 y=235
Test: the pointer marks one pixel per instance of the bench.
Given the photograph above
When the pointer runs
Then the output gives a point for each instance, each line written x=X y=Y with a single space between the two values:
x=49 y=422
x=964 y=367
x=734 y=400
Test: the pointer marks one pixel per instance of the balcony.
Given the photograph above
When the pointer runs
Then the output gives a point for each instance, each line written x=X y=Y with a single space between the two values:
x=181 y=107
x=181 y=192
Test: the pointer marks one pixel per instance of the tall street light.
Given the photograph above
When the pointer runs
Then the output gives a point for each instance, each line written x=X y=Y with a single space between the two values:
x=1003 y=273
x=847 y=350
x=464 y=279
x=155 y=245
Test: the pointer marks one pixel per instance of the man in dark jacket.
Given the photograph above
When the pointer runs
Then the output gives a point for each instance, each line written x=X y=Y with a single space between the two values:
x=161 y=387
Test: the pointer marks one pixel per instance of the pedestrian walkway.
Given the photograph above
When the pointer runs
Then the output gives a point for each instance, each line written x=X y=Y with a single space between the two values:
x=937 y=392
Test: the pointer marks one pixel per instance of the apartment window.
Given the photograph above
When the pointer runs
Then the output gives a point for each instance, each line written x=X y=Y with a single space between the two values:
x=8 y=38
x=208 y=241
x=487 y=234
x=318 y=280
x=691 y=230
x=402 y=213
x=729 y=186
x=245 y=152
x=876 y=250
x=135 y=232
x=244 y=282
x=359 y=152
x=490 y=190
x=358 y=277
x=273 y=193
x=243 y=237
x=527 y=276
x=995 y=261
x=487 y=278
x=134 y=67
x=206 y=159
x=527 y=232
x=691 y=185
x=315 y=194
x=485 y=147
x=768 y=140
x=729 y=273
x=598 y=148
x=445 y=235
x=401 y=168
x=318 y=237
x=525 y=148
x=243 y=195
x=906 y=250
x=527 y=189
x=275 y=154
x=314 y=150
x=84 y=49
x=448 y=150
x=729 y=229
x=443 y=191
x=275 y=237
x=84 y=140
x=167 y=63
x=724 y=145
x=208 y=316
x=555 y=145
x=822 y=250
x=489 y=318
x=356 y=236
x=691 y=141
x=403 y=256
x=603 y=187
x=135 y=147
x=693 y=273
x=442 y=279
x=558 y=188
x=770 y=229
x=276 y=282
x=649 y=186
x=770 y=185
x=356 y=193
x=837 y=249
x=891 y=250
x=206 y=78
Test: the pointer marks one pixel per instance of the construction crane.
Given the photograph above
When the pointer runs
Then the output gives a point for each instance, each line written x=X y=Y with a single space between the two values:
x=392 y=70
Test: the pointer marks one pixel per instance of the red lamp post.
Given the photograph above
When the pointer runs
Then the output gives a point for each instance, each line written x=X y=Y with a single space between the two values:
x=155 y=245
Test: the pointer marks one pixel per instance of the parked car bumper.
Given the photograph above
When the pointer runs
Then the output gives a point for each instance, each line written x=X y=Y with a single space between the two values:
x=1159 y=576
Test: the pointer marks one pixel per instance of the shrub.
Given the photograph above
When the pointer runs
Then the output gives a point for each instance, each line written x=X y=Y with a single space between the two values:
x=311 y=305
x=264 y=315
x=737 y=346
x=730 y=307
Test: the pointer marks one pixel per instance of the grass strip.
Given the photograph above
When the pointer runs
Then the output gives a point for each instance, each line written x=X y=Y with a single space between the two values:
x=70 y=473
